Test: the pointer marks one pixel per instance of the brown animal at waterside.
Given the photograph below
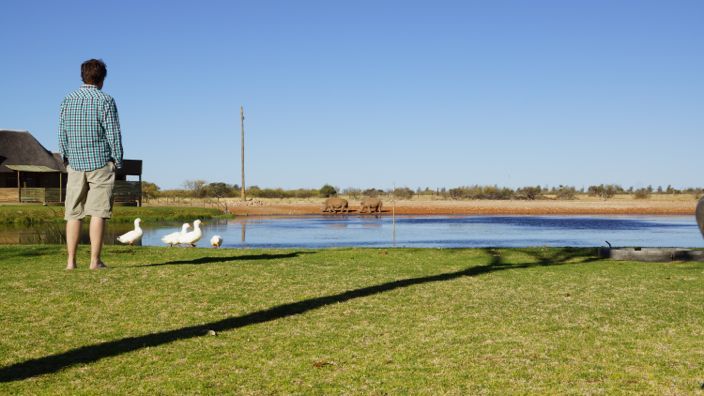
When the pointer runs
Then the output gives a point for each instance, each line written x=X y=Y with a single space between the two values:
x=371 y=205
x=335 y=204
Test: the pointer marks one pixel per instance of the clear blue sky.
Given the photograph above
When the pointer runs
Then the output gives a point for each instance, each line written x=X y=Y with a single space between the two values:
x=372 y=93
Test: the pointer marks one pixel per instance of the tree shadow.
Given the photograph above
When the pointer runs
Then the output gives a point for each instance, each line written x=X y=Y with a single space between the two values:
x=92 y=353
x=222 y=259
x=34 y=251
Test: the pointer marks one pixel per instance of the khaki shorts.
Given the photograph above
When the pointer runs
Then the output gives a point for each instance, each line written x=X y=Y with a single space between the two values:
x=90 y=193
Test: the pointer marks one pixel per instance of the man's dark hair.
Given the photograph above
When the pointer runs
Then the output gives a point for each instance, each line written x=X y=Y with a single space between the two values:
x=93 y=71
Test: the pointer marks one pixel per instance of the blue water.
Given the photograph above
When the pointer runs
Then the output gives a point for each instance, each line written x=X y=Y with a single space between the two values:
x=446 y=231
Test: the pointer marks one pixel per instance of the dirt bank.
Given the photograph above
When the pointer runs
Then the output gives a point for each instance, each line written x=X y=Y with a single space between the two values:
x=586 y=206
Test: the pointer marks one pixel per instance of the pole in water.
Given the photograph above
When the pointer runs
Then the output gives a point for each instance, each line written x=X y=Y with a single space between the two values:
x=393 y=215
x=699 y=214
x=242 y=192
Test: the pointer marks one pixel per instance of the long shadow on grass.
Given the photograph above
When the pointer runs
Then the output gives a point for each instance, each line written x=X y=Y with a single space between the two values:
x=221 y=259
x=24 y=251
x=93 y=353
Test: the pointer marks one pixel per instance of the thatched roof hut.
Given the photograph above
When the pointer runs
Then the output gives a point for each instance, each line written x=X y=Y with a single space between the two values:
x=31 y=173
x=20 y=151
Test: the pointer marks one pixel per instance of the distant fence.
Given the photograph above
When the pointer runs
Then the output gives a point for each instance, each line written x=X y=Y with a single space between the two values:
x=8 y=194
x=125 y=193
x=40 y=195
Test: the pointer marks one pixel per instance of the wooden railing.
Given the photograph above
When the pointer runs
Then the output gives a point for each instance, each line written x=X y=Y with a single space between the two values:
x=125 y=192
x=40 y=195
x=8 y=194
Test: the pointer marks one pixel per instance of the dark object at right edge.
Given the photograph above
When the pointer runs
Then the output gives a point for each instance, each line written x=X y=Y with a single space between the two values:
x=700 y=215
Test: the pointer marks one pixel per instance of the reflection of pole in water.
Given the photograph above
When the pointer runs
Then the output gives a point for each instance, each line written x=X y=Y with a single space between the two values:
x=244 y=230
x=393 y=215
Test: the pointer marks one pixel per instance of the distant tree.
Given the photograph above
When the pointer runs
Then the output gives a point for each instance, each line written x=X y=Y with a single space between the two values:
x=604 y=191
x=219 y=190
x=254 y=191
x=529 y=193
x=305 y=193
x=642 y=193
x=327 y=191
x=372 y=192
x=149 y=190
x=273 y=193
x=353 y=193
x=403 y=193
x=483 y=192
x=566 y=192
x=196 y=187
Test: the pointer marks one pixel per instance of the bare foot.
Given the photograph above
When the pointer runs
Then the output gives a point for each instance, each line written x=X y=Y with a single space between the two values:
x=100 y=265
x=71 y=267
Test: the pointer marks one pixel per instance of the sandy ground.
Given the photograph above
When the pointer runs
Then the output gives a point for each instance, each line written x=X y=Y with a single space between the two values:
x=656 y=205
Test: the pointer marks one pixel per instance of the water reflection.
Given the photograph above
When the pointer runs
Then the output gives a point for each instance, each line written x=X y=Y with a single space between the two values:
x=337 y=225
x=411 y=231
x=56 y=234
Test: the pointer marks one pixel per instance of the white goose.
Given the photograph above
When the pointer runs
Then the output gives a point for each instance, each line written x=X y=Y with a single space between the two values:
x=190 y=238
x=132 y=236
x=172 y=239
x=216 y=241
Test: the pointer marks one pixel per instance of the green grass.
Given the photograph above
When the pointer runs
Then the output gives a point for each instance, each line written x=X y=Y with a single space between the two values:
x=348 y=321
x=38 y=214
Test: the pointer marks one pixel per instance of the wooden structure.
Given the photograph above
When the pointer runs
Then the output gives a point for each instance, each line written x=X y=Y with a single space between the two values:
x=29 y=173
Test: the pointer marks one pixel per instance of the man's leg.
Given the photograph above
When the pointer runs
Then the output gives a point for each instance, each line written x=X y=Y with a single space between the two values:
x=97 y=226
x=73 y=231
x=99 y=207
x=76 y=188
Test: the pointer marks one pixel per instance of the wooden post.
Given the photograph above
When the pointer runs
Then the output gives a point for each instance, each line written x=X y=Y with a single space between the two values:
x=393 y=214
x=19 y=188
x=61 y=187
x=242 y=194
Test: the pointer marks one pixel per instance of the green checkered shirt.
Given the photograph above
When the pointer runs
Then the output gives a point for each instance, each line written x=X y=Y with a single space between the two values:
x=89 y=129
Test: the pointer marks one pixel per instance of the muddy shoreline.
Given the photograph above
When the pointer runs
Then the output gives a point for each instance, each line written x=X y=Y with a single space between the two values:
x=479 y=207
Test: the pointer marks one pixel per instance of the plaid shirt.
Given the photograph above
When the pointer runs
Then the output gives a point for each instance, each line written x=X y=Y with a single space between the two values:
x=89 y=130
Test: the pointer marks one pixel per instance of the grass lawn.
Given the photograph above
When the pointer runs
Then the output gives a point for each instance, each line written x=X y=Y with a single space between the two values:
x=348 y=321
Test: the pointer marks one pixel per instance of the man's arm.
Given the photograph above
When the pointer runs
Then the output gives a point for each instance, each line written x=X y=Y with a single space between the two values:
x=111 y=123
x=63 y=139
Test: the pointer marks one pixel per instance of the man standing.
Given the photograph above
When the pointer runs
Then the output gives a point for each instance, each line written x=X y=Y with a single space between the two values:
x=91 y=145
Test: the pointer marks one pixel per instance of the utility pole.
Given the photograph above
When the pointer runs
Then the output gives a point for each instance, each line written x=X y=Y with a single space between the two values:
x=242 y=194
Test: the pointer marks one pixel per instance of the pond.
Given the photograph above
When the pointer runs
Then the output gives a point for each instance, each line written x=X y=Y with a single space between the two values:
x=411 y=231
